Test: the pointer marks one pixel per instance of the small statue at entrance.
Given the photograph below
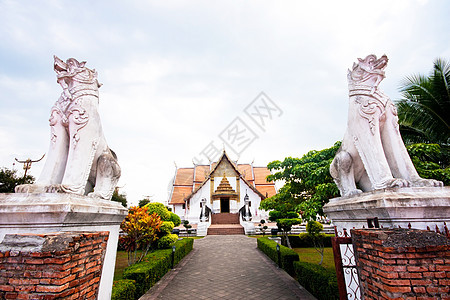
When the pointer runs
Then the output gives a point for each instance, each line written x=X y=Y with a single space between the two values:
x=245 y=212
x=79 y=160
x=372 y=155
x=205 y=211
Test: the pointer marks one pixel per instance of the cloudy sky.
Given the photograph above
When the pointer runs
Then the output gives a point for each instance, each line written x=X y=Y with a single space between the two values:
x=182 y=79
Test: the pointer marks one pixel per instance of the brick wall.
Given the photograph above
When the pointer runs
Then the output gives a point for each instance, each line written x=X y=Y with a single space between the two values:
x=63 y=265
x=402 y=263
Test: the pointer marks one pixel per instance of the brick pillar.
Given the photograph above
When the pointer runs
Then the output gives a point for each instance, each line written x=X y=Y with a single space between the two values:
x=402 y=263
x=63 y=265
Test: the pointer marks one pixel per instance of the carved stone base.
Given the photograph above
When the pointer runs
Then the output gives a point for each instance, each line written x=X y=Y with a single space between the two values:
x=44 y=213
x=396 y=207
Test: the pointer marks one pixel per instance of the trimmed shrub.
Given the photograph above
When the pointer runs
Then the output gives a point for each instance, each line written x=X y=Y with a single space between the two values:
x=153 y=267
x=166 y=227
x=124 y=289
x=175 y=219
x=288 y=256
x=159 y=209
x=167 y=241
x=304 y=240
x=320 y=282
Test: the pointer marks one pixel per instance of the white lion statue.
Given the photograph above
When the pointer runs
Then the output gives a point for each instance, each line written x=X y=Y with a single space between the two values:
x=372 y=155
x=79 y=160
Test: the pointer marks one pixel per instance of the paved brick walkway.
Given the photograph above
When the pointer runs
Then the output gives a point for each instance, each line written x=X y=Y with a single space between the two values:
x=227 y=267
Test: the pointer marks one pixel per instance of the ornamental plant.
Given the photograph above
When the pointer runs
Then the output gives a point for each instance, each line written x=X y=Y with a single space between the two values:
x=169 y=221
x=314 y=229
x=141 y=231
x=263 y=227
x=285 y=220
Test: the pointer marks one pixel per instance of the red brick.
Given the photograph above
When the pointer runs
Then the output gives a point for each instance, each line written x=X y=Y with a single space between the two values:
x=33 y=274
x=69 y=265
x=443 y=267
x=34 y=261
x=56 y=260
x=416 y=269
x=397 y=289
x=61 y=281
x=6 y=288
x=421 y=282
x=45 y=281
x=393 y=268
x=77 y=269
x=50 y=274
x=51 y=288
x=94 y=280
x=432 y=289
x=74 y=283
x=387 y=274
x=396 y=282
x=25 y=288
x=11 y=295
x=14 y=260
x=94 y=269
x=409 y=275
x=15 y=281
x=419 y=289
x=91 y=264
x=434 y=274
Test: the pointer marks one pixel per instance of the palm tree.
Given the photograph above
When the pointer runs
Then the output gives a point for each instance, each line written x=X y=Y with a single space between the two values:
x=424 y=111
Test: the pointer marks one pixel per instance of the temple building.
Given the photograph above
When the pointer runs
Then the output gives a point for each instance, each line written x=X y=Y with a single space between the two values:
x=223 y=187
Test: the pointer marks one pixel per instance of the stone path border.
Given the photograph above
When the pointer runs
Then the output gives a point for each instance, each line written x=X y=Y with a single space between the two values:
x=227 y=268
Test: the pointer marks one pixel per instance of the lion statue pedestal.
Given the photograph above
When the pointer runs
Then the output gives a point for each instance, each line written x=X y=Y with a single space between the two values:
x=73 y=192
x=372 y=169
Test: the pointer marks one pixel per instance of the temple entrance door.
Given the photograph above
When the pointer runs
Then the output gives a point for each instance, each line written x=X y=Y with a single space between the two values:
x=224 y=205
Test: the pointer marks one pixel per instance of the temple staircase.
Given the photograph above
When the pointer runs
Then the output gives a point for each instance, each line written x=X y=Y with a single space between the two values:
x=225 y=224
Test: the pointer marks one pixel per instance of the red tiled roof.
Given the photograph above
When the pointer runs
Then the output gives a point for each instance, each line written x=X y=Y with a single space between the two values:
x=260 y=175
x=269 y=189
x=246 y=171
x=201 y=172
x=185 y=176
x=179 y=193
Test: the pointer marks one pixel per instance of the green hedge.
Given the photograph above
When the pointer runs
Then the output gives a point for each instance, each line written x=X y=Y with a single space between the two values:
x=288 y=256
x=304 y=240
x=123 y=289
x=320 y=282
x=153 y=267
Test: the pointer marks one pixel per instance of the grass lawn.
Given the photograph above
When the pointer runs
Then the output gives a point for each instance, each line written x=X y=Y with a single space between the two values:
x=312 y=256
x=121 y=264
x=122 y=261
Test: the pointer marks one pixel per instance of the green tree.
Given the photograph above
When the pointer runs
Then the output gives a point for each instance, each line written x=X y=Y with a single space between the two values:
x=121 y=198
x=424 y=110
x=143 y=202
x=9 y=180
x=431 y=161
x=308 y=183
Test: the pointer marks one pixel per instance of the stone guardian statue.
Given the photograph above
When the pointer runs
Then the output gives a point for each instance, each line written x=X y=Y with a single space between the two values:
x=372 y=155
x=79 y=160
